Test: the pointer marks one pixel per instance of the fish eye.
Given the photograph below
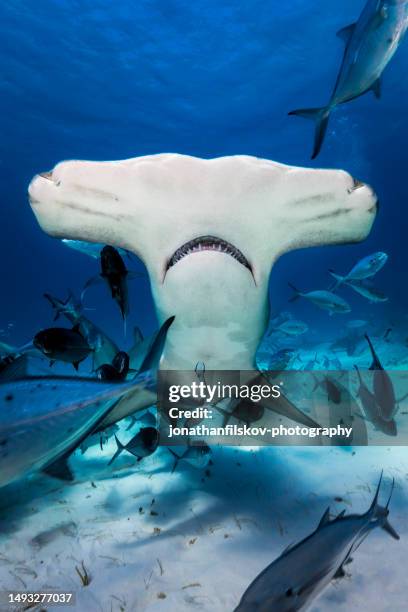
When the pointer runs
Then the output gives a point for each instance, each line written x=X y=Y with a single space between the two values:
x=289 y=593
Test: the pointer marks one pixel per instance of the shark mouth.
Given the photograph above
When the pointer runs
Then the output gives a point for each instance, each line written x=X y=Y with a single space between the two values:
x=208 y=243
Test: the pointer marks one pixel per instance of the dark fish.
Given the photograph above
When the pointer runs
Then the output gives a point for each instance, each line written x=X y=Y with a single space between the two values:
x=372 y=411
x=143 y=444
x=370 y=44
x=61 y=344
x=117 y=370
x=299 y=575
x=383 y=387
x=116 y=275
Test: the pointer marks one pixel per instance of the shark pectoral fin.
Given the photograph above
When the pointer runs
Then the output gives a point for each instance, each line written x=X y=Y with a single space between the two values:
x=346 y=33
x=152 y=359
x=376 y=88
x=60 y=469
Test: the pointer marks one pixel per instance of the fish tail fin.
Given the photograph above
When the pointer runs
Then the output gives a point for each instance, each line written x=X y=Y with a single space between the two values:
x=176 y=460
x=120 y=448
x=297 y=293
x=380 y=513
x=321 y=118
x=339 y=280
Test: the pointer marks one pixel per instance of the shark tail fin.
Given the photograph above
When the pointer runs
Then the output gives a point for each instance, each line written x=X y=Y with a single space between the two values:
x=120 y=448
x=321 y=118
x=296 y=291
x=380 y=513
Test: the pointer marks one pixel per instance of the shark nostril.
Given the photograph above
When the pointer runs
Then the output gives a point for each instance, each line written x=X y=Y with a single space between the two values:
x=46 y=175
x=357 y=184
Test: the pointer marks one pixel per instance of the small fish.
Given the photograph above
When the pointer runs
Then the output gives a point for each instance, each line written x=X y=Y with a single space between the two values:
x=365 y=268
x=372 y=411
x=383 y=387
x=290 y=328
x=92 y=249
x=336 y=363
x=366 y=289
x=197 y=455
x=323 y=299
x=370 y=44
x=143 y=444
x=117 y=370
x=104 y=348
x=61 y=344
x=116 y=275
x=326 y=362
x=310 y=365
x=301 y=573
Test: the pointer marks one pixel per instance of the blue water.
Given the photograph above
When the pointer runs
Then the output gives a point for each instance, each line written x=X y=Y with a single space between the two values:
x=96 y=79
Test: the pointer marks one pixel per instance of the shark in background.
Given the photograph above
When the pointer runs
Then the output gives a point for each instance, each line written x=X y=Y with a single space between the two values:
x=371 y=43
x=301 y=573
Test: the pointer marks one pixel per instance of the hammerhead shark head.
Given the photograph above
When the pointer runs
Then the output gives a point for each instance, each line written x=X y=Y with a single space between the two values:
x=209 y=232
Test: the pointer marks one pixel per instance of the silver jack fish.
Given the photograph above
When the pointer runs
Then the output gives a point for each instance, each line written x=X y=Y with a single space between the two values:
x=302 y=571
x=370 y=44
x=44 y=419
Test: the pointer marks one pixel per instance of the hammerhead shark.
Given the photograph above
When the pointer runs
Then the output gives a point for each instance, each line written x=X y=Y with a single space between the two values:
x=209 y=232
